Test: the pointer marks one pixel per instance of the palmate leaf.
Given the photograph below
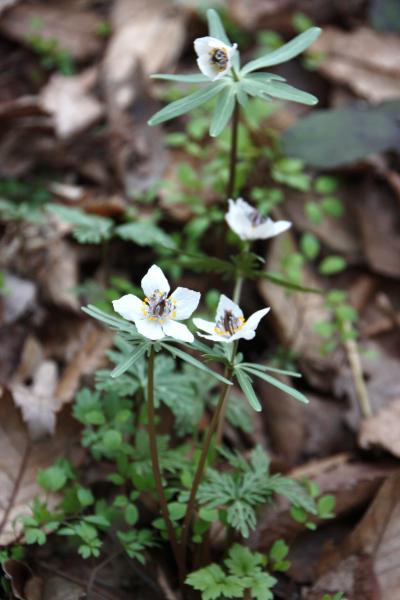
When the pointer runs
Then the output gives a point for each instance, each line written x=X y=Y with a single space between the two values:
x=275 y=382
x=223 y=110
x=184 y=105
x=144 y=233
x=87 y=229
x=285 y=52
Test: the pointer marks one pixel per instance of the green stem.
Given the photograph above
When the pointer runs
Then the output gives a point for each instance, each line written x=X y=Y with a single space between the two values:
x=221 y=420
x=230 y=191
x=200 y=468
x=238 y=290
x=156 y=463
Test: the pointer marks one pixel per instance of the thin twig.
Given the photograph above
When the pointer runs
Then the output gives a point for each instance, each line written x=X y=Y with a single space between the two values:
x=96 y=571
x=17 y=484
x=358 y=377
x=76 y=580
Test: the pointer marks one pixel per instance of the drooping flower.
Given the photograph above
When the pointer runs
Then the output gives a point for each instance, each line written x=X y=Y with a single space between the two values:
x=230 y=324
x=157 y=316
x=214 y=57
x=248 y=224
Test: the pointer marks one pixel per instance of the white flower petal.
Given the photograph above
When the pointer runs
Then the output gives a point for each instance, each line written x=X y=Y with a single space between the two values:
x=226 y=304
x=215 y=337
x=207 y=326
x=271 y=229
x=154 y=280
x=150 y=329
x=248 y=330
x=237 y=220
x=206 y=68
x=130 y=307
x=179 y=331
x=186 y=302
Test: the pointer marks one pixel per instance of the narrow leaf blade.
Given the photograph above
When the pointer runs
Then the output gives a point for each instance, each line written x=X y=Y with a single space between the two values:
x=184 y=78
x=111 y=321
x=130 y=360
x=247 y=388
x=279 y=384
x=272 y=369
x=285 y=52
x=184 y=105
x=223 y=111
x=194 y=362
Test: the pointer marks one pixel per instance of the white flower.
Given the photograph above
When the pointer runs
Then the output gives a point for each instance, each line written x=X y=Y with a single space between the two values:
x=230 y=325
x=157 y=316
x=248 y=224
x=214 y=57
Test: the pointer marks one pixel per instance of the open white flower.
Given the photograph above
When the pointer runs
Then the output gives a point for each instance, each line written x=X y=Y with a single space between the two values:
x=248 y=224
x=214 y=57
x=158 y=315
x=230 y=324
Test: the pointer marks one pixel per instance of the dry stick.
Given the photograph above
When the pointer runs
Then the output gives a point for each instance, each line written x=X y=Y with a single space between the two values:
x=102 y=593
x=96 y=571
x=156 y=464
x=356 y=370
x=17 y=483
x=200 y=469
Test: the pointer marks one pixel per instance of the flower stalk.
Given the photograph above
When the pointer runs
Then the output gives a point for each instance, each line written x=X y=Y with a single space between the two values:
x=201 y=466
x=156 y=463
x=230 y=191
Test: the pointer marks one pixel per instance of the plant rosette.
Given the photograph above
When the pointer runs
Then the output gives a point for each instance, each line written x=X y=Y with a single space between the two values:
x=219 y=63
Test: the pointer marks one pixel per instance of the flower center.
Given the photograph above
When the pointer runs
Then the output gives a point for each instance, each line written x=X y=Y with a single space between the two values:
x=255 y=218
x=228 y=324
x=159 y=307
x=219 y=58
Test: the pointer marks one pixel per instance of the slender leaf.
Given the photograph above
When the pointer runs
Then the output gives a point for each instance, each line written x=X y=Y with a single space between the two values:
x=245 y=383
x=184 y=105
x=125 y=365
x=285 y=52
x=111 y=321
x=279 y=384
x=272 y=369
x=264 y=77
x=281 y=281
x=217 y=30
x=189 y=78
x=223 y=110
x=194 y=362
x=277 y=89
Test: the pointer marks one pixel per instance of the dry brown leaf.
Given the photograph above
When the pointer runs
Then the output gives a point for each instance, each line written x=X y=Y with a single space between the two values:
x=58 y=275
x=24 y=584
x=352 y=484
x=295 y=314
x=375 y=537
x=365 y=60
x=71 y=103
x=38 y=402
x=89 y=356
x=19 y=299
x=382 y=429
x=74 y=29
x=379 y=222
x=20 y=460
